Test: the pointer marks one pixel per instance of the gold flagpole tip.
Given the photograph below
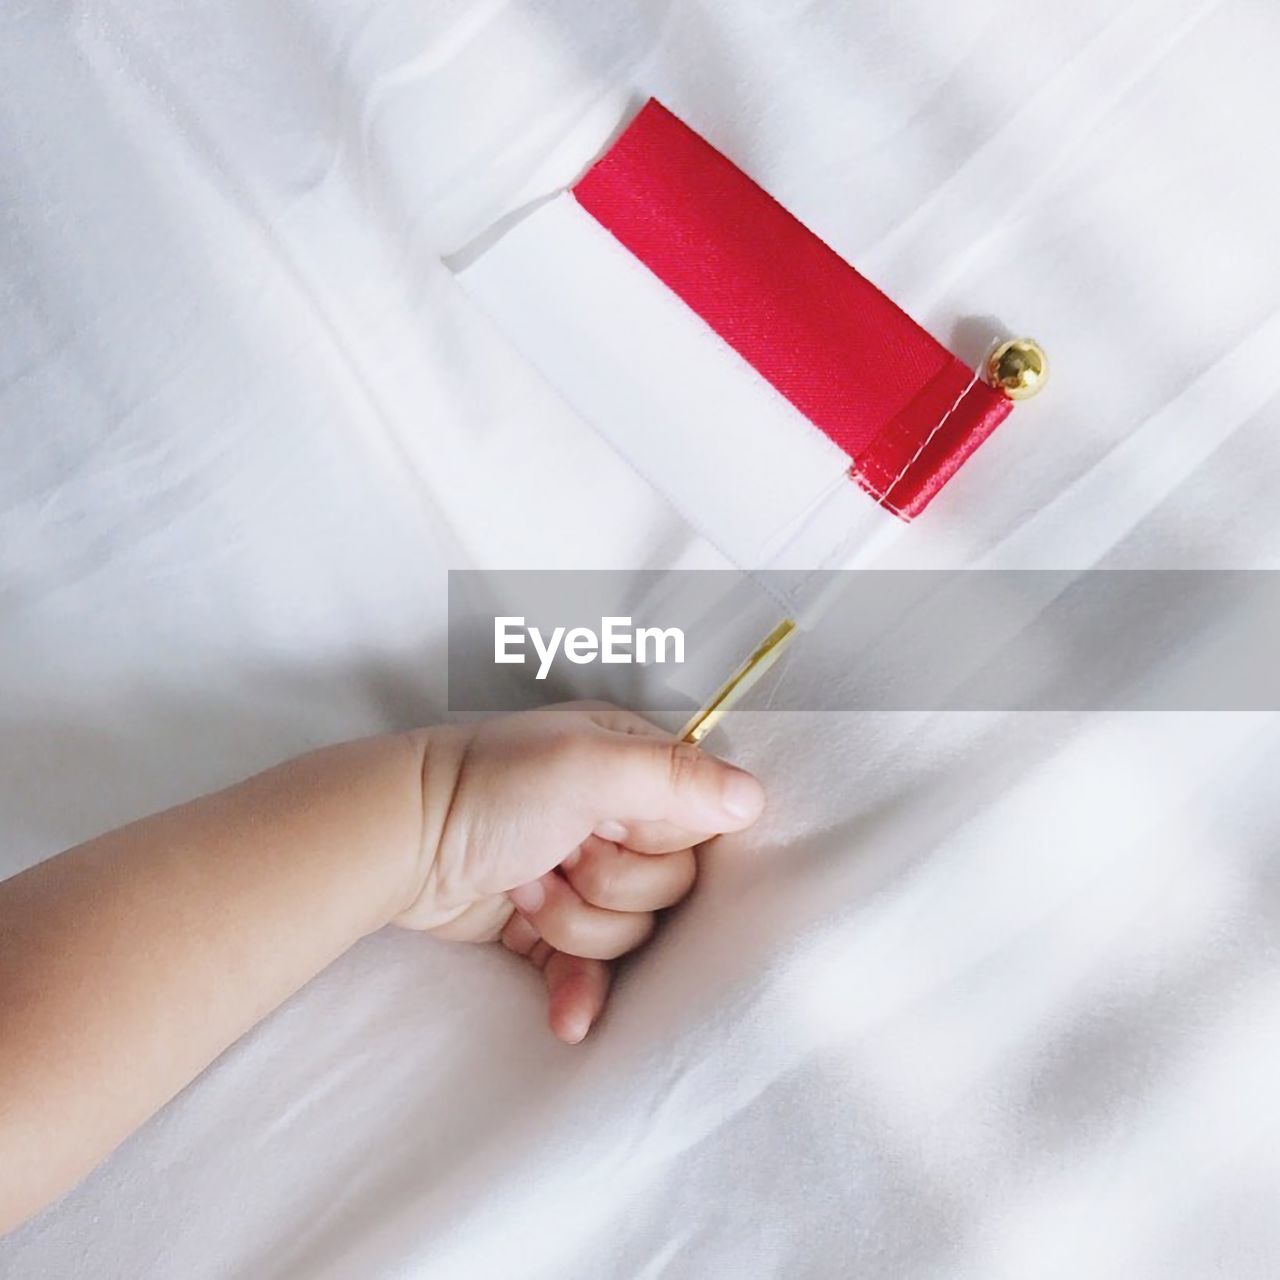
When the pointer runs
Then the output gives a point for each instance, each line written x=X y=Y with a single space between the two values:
x=1019 y=368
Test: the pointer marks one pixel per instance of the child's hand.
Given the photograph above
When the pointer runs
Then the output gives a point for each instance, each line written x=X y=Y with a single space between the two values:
x=561 y=831
x=128 y=963
x=140 y=955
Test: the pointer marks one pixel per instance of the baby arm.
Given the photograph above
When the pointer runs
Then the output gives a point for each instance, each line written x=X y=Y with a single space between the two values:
x=129 y=963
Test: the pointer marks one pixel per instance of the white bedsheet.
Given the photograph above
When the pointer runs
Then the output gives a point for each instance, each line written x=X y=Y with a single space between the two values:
x=982 y=996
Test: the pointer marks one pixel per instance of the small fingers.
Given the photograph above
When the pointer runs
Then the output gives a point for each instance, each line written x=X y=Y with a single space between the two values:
x=618 y=879
x=576 y=992
x=576 y=988
x=561 y=917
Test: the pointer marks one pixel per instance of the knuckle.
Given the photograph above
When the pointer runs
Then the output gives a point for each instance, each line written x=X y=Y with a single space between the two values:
x=568 y=926
x=571 y=749
x=595 y=880
x=560 y=932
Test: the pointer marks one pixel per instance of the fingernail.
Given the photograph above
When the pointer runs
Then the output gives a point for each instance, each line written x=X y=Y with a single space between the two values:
x=528 y=898
x=741 y=796
x=610 y=830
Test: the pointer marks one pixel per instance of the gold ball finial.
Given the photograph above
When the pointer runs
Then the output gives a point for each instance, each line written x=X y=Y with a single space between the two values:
x=1018 y=367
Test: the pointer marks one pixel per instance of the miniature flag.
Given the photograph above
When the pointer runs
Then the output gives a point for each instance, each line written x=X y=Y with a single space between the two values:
x=737 y=362
x=902 y=408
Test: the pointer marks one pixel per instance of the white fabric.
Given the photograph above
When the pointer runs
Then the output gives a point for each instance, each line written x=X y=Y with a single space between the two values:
x=983 y=996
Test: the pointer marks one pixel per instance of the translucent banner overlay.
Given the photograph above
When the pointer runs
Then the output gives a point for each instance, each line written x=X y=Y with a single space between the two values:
x=874 y=640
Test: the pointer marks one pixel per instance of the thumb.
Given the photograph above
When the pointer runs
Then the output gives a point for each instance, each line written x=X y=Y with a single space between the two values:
x=637 y=778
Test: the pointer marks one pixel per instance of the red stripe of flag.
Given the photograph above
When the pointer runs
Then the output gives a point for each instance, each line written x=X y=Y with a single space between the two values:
x=899 y=404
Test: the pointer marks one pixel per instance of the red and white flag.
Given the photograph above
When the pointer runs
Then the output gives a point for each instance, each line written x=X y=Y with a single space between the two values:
x=735 y=359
